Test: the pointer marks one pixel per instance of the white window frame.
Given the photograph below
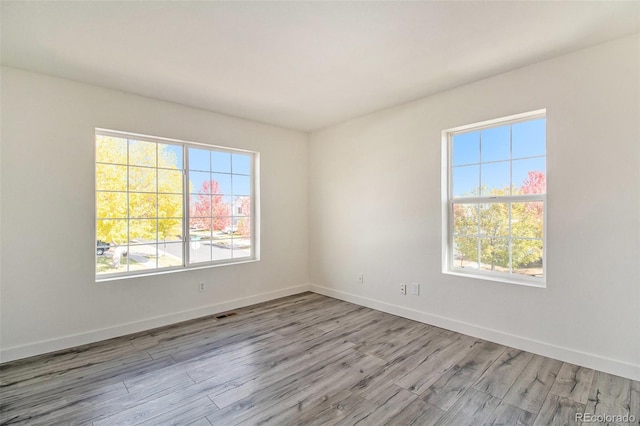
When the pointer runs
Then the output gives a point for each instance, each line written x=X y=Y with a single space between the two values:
x=254 y=210
x=448 y=266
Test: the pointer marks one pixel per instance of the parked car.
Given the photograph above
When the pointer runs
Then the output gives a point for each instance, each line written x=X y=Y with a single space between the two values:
x=102 y=247
x=230 y=229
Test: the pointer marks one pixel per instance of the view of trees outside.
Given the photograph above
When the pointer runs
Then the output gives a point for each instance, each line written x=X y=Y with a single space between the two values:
x=498 y=214
x=139 y=205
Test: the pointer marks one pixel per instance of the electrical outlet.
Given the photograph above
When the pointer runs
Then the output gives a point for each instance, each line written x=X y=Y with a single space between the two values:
x=361 y=278
x=415 y=289
x=403 y=289
x=201 y=286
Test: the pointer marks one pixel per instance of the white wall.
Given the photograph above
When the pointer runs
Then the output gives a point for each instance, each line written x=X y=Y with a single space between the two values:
x=375 y=207
x=49 y=296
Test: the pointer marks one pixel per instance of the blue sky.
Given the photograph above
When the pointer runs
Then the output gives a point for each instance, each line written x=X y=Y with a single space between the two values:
x=484 y=158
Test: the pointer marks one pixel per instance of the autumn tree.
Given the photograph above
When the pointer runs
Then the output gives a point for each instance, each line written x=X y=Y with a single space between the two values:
x=244 y=223
x=208 y=205
x=141 y=181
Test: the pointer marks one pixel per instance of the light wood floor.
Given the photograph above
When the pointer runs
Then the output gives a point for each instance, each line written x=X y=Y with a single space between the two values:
x=305 y=359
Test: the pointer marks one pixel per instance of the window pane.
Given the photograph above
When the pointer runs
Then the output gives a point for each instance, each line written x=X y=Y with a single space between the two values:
x=170 y=254
x=169 y=230
x=199 y=249
x=142 y=179
x=496 y=144
x=200 y=227
x=169 y=205
x=221 y=249
x=529 y=138
x=143 y=257
x=465 y=219
x=222 y=225
x=112 y=231
x=495 y=179
x=241 y=248
x=221 y=212
x=221 y=161
x=527 y=219
x=170 y=156
x=242 y=206
x=199 y=159
x=465 y=252
x=142 y=205
x=241 y=185
x=466 y=181
x=529 y=176
x=111 y=178
x=466 y=148
x=241 y=164
x=494 y=254
x=113 y=261
x=111 y=150
x=170 y=181
x=494 y=219
x=142 y=153
x=243 y=228
x=199 y=205
x=142 y=231
x=222 y=183
x=527 y=257
x=111 y=205
x=200 y=182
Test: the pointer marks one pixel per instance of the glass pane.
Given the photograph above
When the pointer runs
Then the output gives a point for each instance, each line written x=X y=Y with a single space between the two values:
x=142 y=205
x=527 y=219
x=241 y=248
x=143 y=257
x=241 y=206
x=221 y=249
x=465 y=252
x=200 y=182
x=169 y=230
x=142 y=231
x=199 y=205
x=527 y=257
x=169 y=205
x=221 y=184
x=142 y=179
x=220 y=207
x=111 y=205
x=199 y=159
x=466 y=181
x=200 y=227
x=496 y=144
x=170 y=181
x=241 y=164
x=170 y=254
x=142 y=153
x=111 y=178
x=170 y=156
x=112 y=231
x=466 y=148
x=241 y=185
x=221 y=161
x=465 y=219
x=529 y=176
x=113 y=261
x=199 y=249
x=494 y=219
x=529 y=138
x=494 y=254
x=223 y=225
x=111 y=150
x=495 y=179
x=243 y=228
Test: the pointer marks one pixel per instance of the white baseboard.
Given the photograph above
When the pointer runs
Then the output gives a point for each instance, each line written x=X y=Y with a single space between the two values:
x=596 y=362
x=65 y=342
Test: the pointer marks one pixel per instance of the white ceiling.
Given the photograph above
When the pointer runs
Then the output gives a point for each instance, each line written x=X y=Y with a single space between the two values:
x=302 y=65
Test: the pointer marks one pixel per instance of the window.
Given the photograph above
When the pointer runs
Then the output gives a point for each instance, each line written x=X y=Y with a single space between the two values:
x=166 y=205
x=495 y=199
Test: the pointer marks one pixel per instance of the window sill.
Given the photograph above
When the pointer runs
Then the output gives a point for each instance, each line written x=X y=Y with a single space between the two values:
x=171 y=271
x=524 y=281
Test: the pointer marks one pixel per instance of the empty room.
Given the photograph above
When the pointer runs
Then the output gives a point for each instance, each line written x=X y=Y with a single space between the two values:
x=297 y=213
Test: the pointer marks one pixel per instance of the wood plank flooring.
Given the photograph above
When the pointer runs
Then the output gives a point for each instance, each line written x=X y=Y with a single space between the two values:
x=309 y=360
